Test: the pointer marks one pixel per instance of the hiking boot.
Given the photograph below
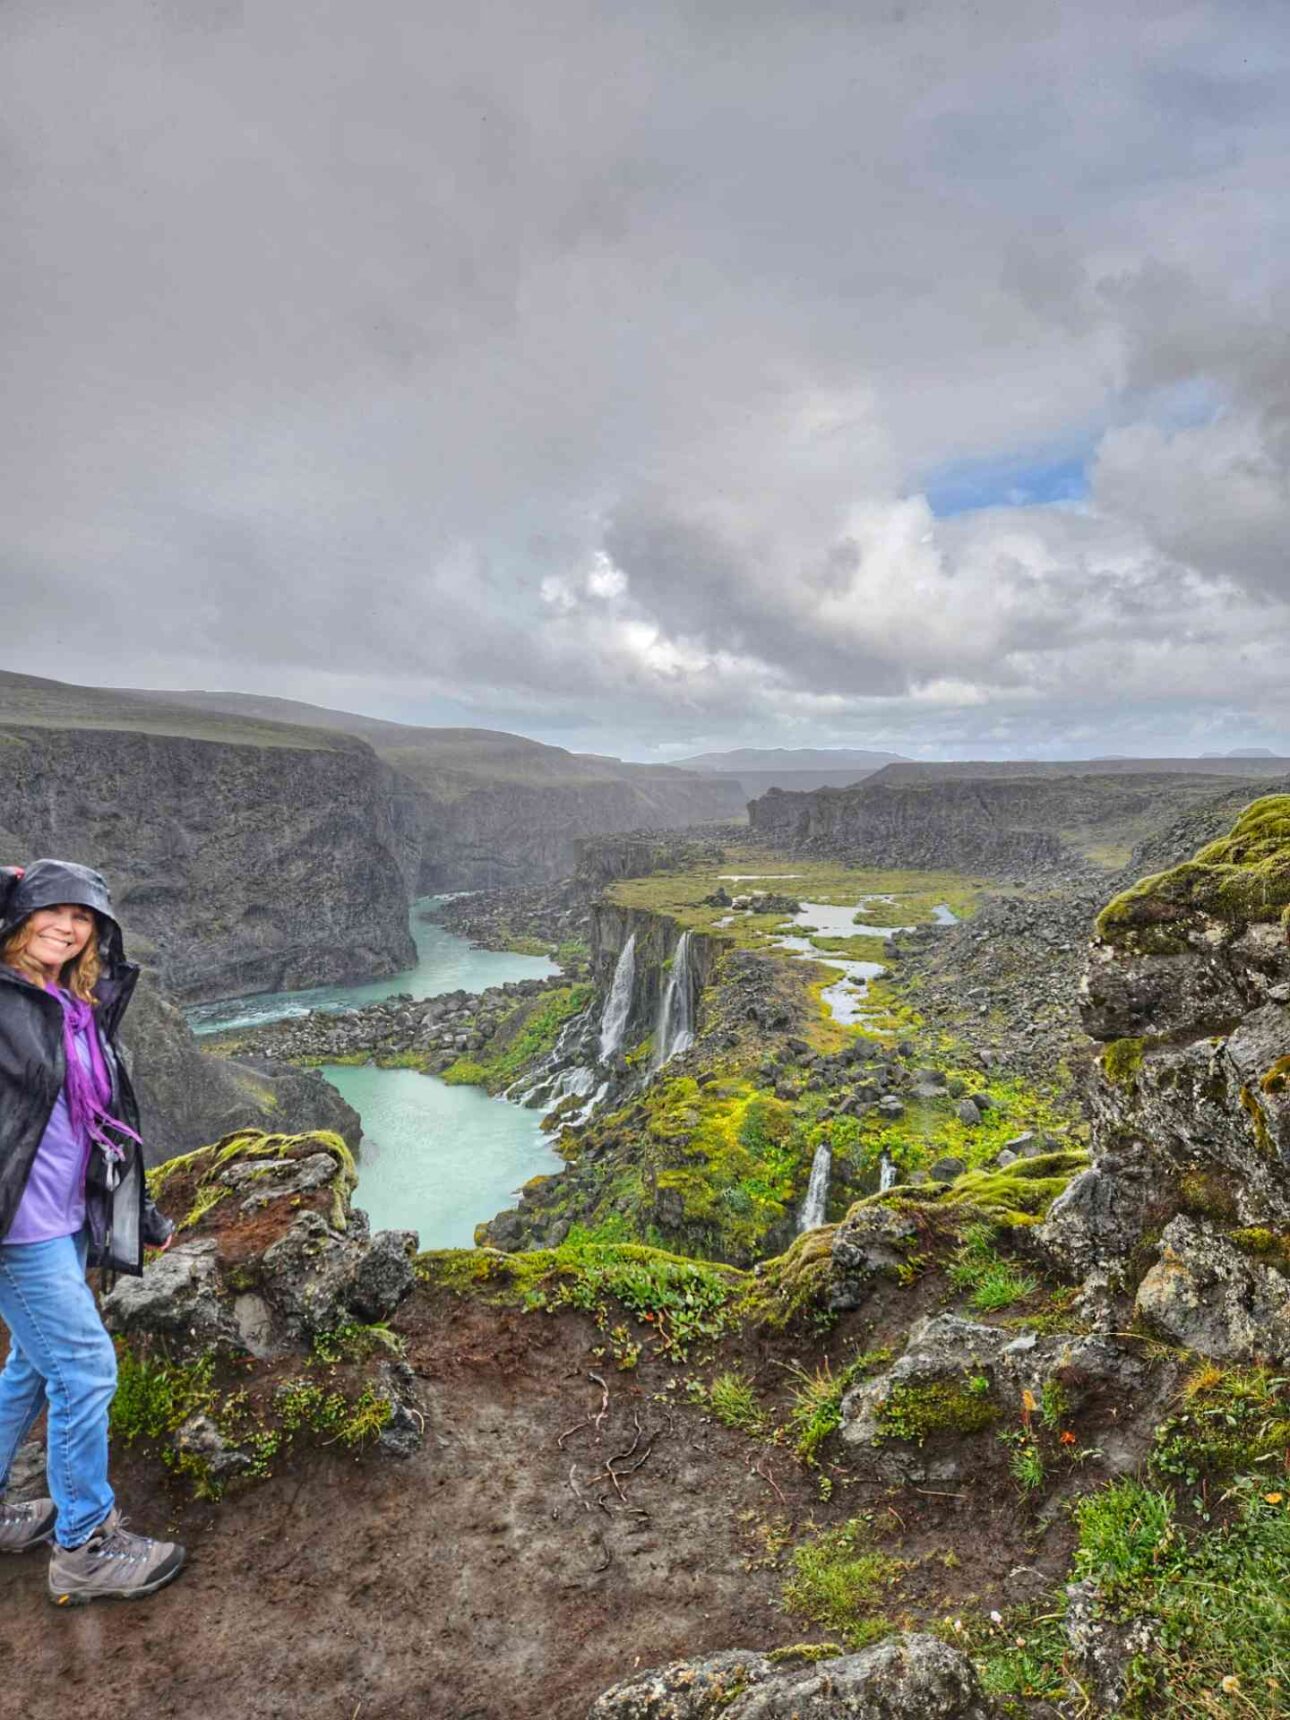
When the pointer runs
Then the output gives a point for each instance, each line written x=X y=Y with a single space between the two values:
x=25 y=1523
x=113 y=1565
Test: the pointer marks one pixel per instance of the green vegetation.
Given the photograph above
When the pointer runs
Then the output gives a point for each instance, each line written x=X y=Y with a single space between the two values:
x=683 y=1302
x=1015 y=1197
x=527 y=1034
x=931 y=1129
x=156 y=1398
x=1228 y=1421
x=1242 y=878
x=917 y=1410
x=817 y=1401
x=1213 y=1603
x=994 y=1281
x=682 y=894
x=731 y=1399
x=719 y=1165
x=1219 y=1601
x=839 y=1580
x=1122 y=1059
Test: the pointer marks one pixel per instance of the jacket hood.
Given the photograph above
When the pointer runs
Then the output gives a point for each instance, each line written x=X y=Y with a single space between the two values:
x=46 y=884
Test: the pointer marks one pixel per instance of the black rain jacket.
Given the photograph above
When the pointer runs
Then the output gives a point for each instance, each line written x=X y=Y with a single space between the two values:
x=121 y=1219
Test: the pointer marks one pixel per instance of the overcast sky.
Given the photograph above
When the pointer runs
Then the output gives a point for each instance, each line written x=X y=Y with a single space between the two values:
x=658 y=377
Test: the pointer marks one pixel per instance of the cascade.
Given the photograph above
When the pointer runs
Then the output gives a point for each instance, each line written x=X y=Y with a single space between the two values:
x=675 y=1030
x=888 y=1175
x=817 y=1190
x=618 y=1006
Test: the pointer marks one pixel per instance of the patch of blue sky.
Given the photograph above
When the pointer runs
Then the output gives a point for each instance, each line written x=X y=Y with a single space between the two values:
x=1006 y=481
x=1060 y=473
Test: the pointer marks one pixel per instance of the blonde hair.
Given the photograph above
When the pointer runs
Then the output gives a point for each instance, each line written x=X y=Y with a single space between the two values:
x=79 y=976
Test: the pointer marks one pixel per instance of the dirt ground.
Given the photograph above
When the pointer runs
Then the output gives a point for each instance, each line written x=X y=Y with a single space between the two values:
x=498 y=1574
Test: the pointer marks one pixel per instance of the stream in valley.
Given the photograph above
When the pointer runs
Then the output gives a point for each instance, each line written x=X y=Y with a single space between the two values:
x=441 y=1159
x=435 y=1159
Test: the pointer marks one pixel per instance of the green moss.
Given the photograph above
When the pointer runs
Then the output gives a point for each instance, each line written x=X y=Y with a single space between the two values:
x=1271 y=1246
x=839 y=1580
x=1241 y=879
x=793 y=1283
x=1276 y=1080
x=1015 y=1197
x=683 y=1302
x=1258 y=1122
x=1121 y=1061
x=1207 y=1194
x=917 y=1410
x=527 y=1034
x=804 y=1653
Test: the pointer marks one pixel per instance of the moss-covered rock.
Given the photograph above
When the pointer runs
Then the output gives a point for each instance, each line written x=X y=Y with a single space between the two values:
x=1240 y=880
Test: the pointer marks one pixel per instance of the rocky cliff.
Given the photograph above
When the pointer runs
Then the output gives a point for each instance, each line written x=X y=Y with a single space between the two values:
x=240 y=860
x=493 y=808
x=1002 y=822
x=1183 y=1218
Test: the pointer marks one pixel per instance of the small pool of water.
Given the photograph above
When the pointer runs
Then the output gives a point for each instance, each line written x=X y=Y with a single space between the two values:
x=846 y=997
x=438 y=1159
x=445 y=962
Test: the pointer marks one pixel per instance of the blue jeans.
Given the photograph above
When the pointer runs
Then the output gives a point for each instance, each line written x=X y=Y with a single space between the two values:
x=60 y=1354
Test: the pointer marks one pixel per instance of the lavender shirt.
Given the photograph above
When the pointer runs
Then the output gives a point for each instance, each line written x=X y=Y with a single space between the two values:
x=53 y=1202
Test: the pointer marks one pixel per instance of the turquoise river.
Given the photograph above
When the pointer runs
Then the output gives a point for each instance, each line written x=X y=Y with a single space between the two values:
x=434 y=1159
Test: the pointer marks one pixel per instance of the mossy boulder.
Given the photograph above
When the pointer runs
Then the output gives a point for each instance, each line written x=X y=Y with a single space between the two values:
x=269 y=1251
x=1193 y=949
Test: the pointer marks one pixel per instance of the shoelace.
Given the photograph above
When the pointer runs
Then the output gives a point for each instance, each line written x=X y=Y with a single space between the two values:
x=18 y=1512
x=118 y=1540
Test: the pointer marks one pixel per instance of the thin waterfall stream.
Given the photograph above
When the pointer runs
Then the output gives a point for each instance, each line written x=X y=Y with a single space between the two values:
x=618 y=1005
x=817 y=1191
x=675 y=1030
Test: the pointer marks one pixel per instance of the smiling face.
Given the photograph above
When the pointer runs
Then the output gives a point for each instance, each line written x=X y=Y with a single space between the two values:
x=56 y=936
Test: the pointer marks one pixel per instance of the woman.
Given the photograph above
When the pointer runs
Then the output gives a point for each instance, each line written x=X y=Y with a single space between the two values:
x=71 y=1191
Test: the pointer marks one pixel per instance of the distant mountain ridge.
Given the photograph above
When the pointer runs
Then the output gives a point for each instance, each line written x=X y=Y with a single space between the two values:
x=790 y=759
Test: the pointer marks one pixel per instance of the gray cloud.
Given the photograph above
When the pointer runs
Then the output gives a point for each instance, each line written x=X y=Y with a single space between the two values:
x=579 y=369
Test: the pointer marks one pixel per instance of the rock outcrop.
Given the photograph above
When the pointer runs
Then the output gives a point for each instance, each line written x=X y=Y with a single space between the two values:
x=972 y=819
x=907 y=1678
x=263 y=1320
x=1186 y=1207
x=235 y=867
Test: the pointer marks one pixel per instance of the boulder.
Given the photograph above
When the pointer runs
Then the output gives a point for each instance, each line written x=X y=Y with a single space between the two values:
x=871 y=1242
x=178 y=1296
x=947 y=1170
x=913 y=1677
x=1208 y=1296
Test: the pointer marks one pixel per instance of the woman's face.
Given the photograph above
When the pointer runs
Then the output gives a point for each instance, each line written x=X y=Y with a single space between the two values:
x=58 y=935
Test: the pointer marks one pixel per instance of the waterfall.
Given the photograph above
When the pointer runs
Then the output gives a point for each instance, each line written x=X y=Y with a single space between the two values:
x=888 y=1175
x=618 y=1006
x=675 y=1029
x=817 y=1192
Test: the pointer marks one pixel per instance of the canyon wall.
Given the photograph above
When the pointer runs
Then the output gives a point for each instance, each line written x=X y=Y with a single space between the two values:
x=1000 y=823
x=235 y=867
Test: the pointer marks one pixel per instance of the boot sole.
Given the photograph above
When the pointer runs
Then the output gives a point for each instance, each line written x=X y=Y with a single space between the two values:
x=83 y=1597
